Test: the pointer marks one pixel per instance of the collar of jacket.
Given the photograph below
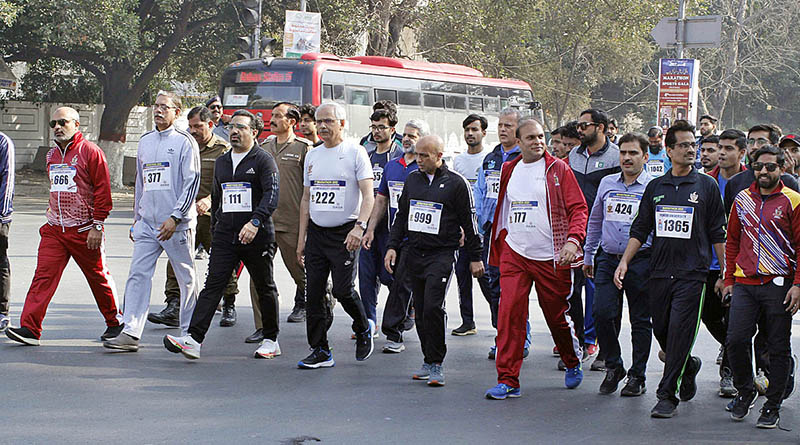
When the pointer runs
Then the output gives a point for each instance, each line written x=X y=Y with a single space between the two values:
x=677 y=180
x=755 y=190
x=714 y=173
x=582 y=148
x=498 y=149
x=77 y=138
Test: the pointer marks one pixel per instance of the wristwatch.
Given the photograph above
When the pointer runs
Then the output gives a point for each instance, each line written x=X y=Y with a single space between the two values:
x=362 y=224
x=97 y=226
x=176 y=219
x=255 y=222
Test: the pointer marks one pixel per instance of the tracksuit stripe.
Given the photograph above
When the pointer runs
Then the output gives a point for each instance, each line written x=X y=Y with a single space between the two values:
x=694 y=337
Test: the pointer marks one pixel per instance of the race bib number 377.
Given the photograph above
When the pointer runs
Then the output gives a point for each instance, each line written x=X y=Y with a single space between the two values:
x=424 y=216
x=674 y=221
x=156 y=176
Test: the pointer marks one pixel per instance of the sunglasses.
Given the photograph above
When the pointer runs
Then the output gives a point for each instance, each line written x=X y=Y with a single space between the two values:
x=585 y=125
x=771 y=166
x=215 y=107
x=60 y=122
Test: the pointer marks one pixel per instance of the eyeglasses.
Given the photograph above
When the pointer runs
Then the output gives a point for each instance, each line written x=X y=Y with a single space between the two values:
x=215 y=107
x=308 y=120
x=327 y=121
x=758 y=142
x=771 y=166
x=686 y=145
x=60 y=122
x=379 y=127
x=585 y=125
x=230 y=127
x=163 y=107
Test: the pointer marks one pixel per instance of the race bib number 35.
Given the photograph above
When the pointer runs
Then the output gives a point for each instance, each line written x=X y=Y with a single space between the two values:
x=622 y=207
x=492 y=184
x=237 y=197
x=520 y=218
x=156 y=176
x=62 y=178
x=674 y=221
x=327 y=196
x=424 y=216
x=377 y=174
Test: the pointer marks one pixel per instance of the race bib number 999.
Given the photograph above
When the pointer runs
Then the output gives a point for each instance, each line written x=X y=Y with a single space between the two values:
x=327 y=196
x=674 y=221
x=424 y=216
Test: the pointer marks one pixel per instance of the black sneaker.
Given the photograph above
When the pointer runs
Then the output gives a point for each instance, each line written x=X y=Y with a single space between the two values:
x=364 y=343
x=688 y=382
x=228 y=316
x=788 y=390
x=742 y=405
x=168 y=316
x=255 y=337
x=769 y=418
x=298 y=315
x=561 y=365
x=611 y=382
x=22 y=335
x=634 y=387
x=465 y=329
x=319 y=358
x=664 y=409
x=111 y=332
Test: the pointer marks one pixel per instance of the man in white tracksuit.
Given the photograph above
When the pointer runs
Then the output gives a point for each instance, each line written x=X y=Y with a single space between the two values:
x=167 y=180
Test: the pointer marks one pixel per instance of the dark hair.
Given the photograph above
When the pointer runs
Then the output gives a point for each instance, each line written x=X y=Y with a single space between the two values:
x=291 y=112
x=309 y=110
x=613 y=122
x=770 y=150
x=773 y=130
x=202 y=112
x=557 y=132
x=384 y=113
x=714 y=139
x=525 y=122
x=678 y=125
x=214 y=99
x=570 y=130
x=475 y=117
x=598 y=117
x=385 y=105
x=255 y=121
x=644 y=144
x=709 y=117
x=736 y=135
x=655 y=131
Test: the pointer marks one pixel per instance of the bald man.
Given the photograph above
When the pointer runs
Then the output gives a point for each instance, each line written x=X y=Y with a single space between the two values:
x=80 y=200
x=435 y=208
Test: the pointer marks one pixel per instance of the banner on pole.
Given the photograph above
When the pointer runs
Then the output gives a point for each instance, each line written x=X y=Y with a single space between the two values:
x=677 y=91
x=302 y=33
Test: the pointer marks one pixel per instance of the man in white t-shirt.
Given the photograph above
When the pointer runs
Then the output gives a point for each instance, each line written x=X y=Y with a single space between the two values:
x=336 y=204
x=468 y=164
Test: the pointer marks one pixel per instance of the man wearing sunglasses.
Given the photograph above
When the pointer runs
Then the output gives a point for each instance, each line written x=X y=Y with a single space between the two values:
x=684 y=211
x=80 y=200
x=219 y=118
x=764 y=280
x=165 y=216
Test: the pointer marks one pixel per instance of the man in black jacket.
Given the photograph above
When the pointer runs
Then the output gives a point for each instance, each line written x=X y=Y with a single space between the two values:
x=436 y=207
x=243 y=198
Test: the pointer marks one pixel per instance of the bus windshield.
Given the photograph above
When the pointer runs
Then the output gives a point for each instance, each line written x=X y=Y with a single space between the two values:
x=261 y=89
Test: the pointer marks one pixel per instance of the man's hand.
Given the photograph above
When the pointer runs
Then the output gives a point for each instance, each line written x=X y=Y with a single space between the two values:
x=793 y=300
x=130 y=232
x=389 y=259
x=301 y=251
x=588 y=271
x=94 y=238
x=353 y=240
x=619 y=274
x=366 y=241
x=568 y=254
x=476 y=268
x=728 y=290
x=719 y=287
x=461 y=240
x=248 y=232
x=167 y=229
x=203 y=205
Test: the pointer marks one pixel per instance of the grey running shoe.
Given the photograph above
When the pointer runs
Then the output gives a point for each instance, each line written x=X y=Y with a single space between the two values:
x=298 y=315
x=726 y=388
x=393 y=347
x=437 y=376
x=422 y=373
x=122 y=342
x=4 y=321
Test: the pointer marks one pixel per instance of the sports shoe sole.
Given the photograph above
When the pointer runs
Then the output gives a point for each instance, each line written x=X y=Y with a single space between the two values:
x=24 y=340
x=435 y=382
x=420 y=376
x=267 y=356
x=464 y=333
x=739 y=419
x=175 y=347
x=504 y=396
x=768 y=426
x=388 y=350
x=326 y=364
x=662 y=415
x=123 y=348
x=624 y=393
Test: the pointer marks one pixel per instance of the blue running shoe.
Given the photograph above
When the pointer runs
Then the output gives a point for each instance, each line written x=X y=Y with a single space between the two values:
x=573 y=377
x=501 y=391
x=319 y=358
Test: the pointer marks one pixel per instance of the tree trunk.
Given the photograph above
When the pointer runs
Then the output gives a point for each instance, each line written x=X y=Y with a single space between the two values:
x=113 y=127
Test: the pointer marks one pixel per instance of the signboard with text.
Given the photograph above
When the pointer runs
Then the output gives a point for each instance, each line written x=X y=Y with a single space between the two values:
x=302 y=33
x=677 y=91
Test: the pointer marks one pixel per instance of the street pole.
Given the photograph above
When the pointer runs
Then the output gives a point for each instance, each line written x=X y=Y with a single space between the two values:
x=680 y=29
x=303 y=5
x=257 y=35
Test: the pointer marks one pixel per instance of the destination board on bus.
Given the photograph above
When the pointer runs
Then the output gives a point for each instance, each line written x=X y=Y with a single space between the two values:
x=264 y=76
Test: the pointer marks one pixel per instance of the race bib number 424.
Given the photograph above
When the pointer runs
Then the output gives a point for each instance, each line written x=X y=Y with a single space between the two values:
x=424 y=216
x=156 y=176
x=674 y=221
x=622 y=207
x=327 y=196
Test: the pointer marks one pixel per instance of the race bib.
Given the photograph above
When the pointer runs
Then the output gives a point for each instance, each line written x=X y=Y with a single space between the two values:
x=156 y=176
x=424 y=216
x=62 y=178
x=622 y=207
x=520 y=218
x=656 y=168
x=492 y=184
x=377 y=174
x=674 y=221
x=237 y=197
x=327 y=195
x=395 y=190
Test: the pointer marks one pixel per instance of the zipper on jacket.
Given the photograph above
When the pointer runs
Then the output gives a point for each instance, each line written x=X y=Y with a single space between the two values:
x=60 y=215
x=760 y=219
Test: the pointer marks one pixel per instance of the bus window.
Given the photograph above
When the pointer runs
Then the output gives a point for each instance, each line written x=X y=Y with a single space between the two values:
x=327 y=92
x=338 y=93
x=492 y=104
x=434 y=100
x=456 y=102
x=385 y=95
x=409 y=98
x=357 y=96
x=476 y=103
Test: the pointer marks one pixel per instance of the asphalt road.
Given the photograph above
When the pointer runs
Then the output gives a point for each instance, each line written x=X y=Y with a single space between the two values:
x=72 y=390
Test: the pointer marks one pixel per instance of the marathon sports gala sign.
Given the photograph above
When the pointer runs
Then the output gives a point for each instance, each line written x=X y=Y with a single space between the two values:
x=302 y=33
x=677 y=91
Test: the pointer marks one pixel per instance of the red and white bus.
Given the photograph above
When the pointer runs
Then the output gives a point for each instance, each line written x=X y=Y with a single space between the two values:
x=439 y=93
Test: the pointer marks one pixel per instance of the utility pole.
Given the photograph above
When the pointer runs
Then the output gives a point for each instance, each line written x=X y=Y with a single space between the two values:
x=257 y=34
x=303 y=5
x=680 y=29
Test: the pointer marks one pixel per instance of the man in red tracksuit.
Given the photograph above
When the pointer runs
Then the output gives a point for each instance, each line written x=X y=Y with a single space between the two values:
x=80 y=200
x=540 y=225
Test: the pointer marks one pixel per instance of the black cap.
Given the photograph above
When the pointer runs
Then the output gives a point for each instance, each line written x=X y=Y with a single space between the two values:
x=213 y=99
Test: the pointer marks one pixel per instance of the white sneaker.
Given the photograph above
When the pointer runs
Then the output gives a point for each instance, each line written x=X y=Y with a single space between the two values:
x=268 y=349
x=393 y=347
x=186 y=345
